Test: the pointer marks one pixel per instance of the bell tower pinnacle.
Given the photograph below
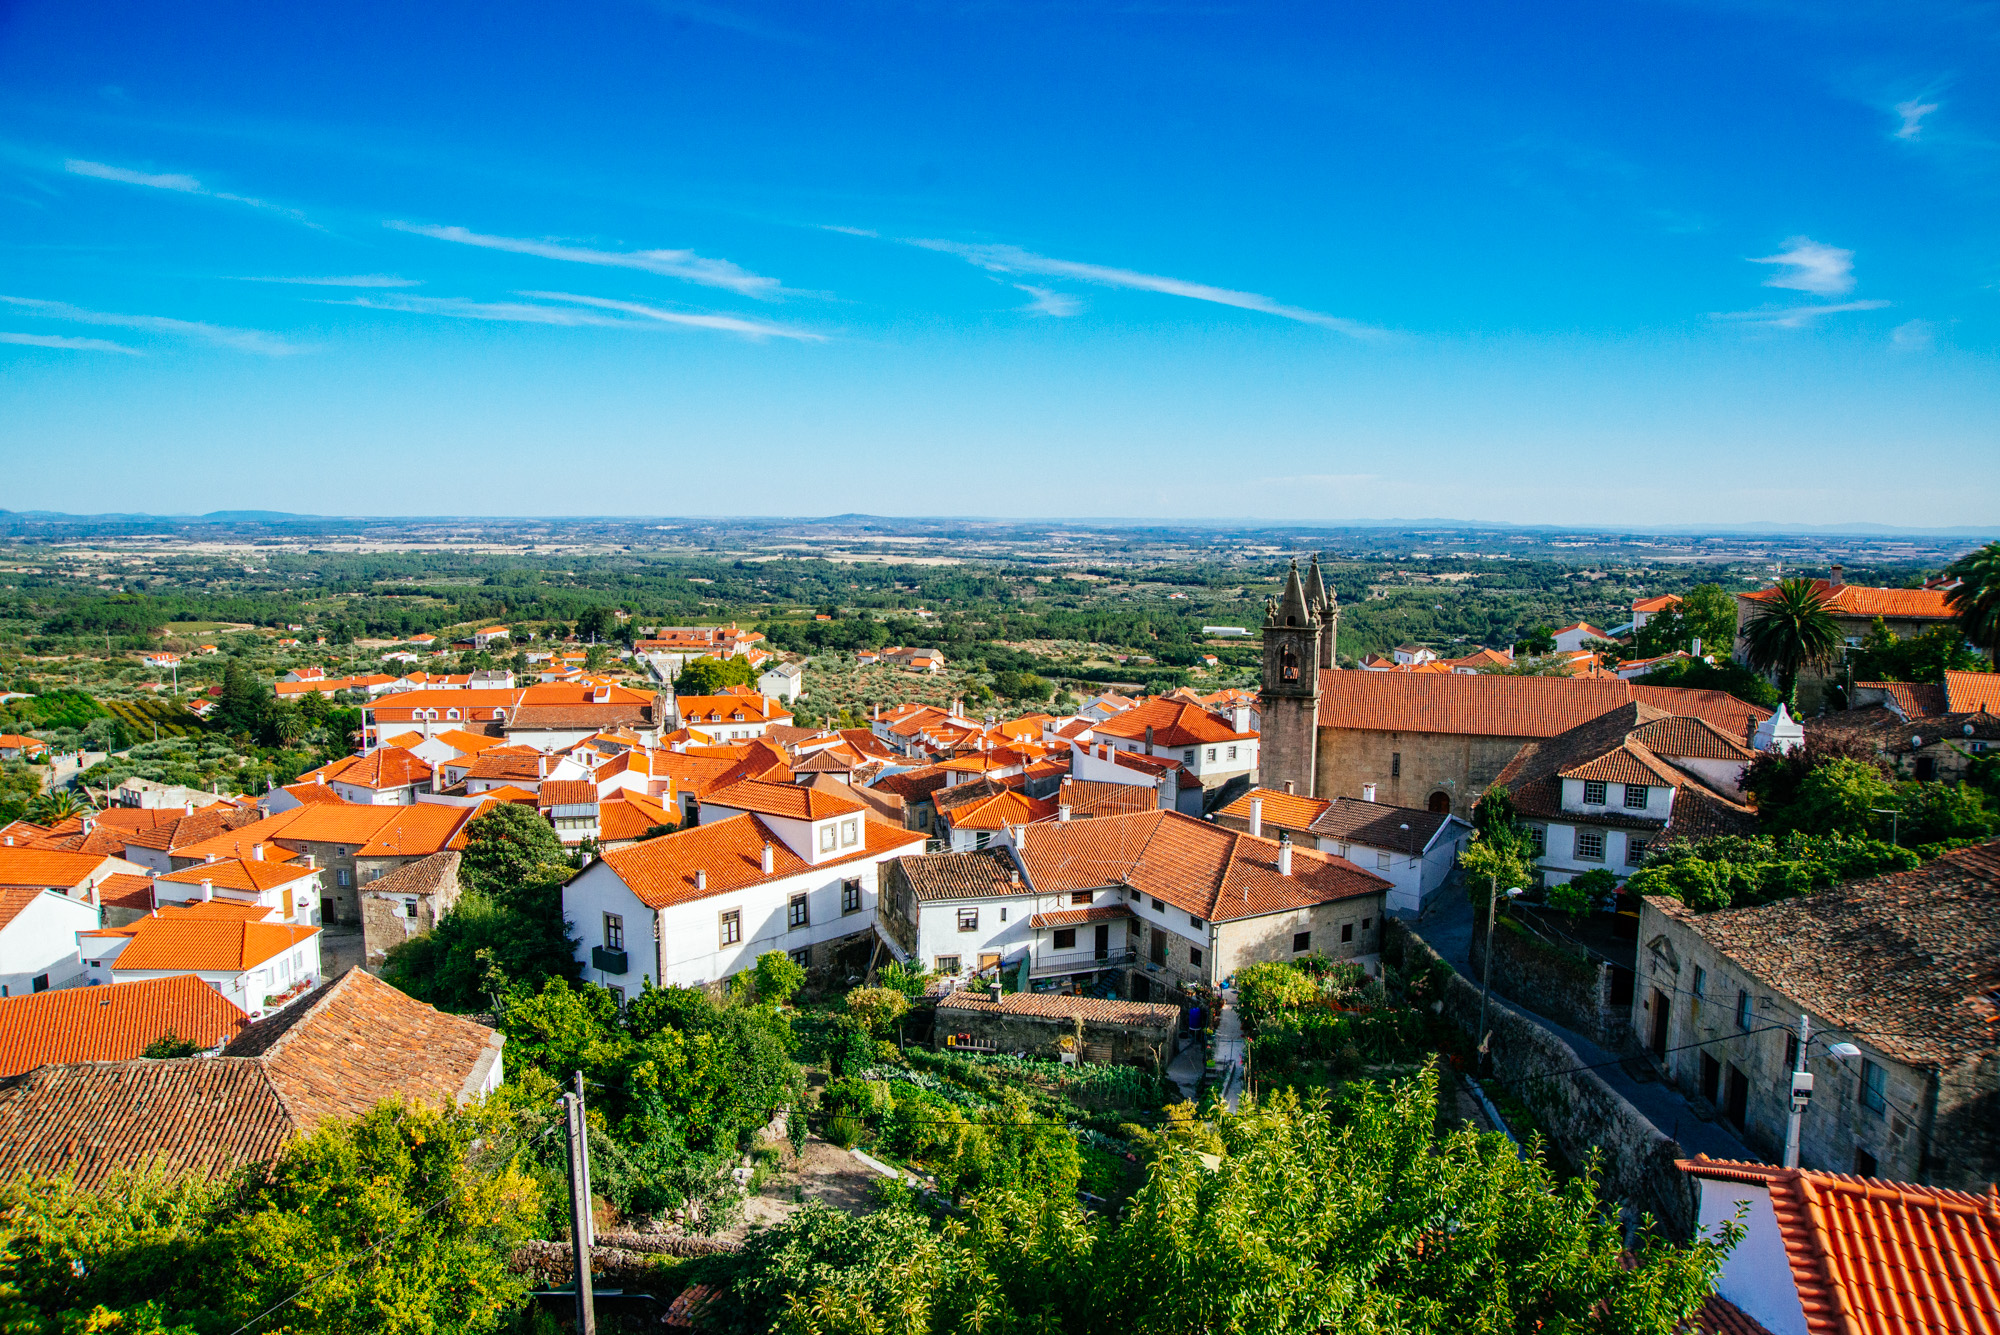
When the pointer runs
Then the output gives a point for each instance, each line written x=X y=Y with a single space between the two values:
x=1294 y=644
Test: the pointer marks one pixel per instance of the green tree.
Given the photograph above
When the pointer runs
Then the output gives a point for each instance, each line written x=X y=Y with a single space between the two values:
x=244 y=699
x=777 y=977
x=1726 y=675
x=56 y=804
x=709 y=676
x=1885 y=656
x=1499 y=857
x=594 y=623
x=169 y=1045
x=877 y=1009
x=1706 y=613
x=1977 y=597
x=1791 y=631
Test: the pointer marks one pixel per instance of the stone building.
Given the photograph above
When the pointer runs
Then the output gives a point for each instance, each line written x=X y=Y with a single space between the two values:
x=1904 y=967
x=1044 y=1024
x=406 y=901
x=1855 y=609
x=1301 y=630
x=1437 y=741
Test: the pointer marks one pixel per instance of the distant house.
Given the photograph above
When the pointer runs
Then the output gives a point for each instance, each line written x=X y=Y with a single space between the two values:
x=783 y=681
x=1575 y=637
x=407 y=901
x=13 y=746
x=482 y=639
x=1855 y=608
x=258 y=967
x=348 y=1046
x=1063 y=1028
x=38 y=930
x=1645 y=609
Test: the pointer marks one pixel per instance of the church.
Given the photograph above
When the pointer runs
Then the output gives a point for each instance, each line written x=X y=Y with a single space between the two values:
x=1433 y=742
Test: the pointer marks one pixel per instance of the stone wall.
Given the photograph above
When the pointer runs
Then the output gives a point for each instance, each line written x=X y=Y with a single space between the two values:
x=1288 y=738
x=1581 y=1113
x=1457 y=764
x=1037 y=1035
x=1564 y=983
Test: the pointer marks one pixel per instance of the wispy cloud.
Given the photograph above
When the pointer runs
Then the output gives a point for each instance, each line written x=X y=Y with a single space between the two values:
x=1014 y=260
x=1808 y=266
x=341 y=280
x=1048 y=302
x=683 y=264
x=1912 y=336
x=576 y=312
x=179 y=183
x=1913 y=113
x=242 y=340
x=694 y=319
x=67 y=343
x=1796 y=317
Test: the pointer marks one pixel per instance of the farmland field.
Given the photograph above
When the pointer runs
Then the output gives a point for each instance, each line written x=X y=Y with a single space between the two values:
x=142 y=716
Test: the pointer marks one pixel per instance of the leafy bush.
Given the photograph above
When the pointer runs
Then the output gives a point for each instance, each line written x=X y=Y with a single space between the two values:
x=777 y=977
x=1727 y=871
x=877 y=1009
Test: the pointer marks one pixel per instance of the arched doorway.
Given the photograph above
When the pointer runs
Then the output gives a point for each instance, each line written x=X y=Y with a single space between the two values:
x=1440 y=803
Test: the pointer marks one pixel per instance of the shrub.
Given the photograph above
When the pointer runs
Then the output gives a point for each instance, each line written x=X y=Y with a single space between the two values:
x=877 y=1009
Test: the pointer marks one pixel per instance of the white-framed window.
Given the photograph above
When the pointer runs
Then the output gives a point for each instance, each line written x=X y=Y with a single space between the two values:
x=1382 y=861
x=1595 y=792
x=1635 y=851
x=1232 y=753
x=1211 y=753
x=827 y=835
x=1635 y=797
x=1187 y=756
x=850 y=832
x=1590 y=845
x=968 y=920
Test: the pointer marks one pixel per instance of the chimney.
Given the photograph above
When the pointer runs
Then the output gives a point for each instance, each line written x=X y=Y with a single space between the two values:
x=1062 y=815
x=541 y=764
x=257 y=852
x=1284 y=853
x=207 y=889
x=1837 y=580
x=1021 y=837
x=209 y=858
x=1289 y=786
x=1239 y=718
x=1694 y=646
x=994 y=991
x=1149 y=739
x=770 y=860
x=187 y=806
x=311 y=862
x=701 y=878
x=1257 y=817
x=1368 y=792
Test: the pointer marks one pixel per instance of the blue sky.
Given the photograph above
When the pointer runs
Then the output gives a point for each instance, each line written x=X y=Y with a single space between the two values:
x=1610 y=263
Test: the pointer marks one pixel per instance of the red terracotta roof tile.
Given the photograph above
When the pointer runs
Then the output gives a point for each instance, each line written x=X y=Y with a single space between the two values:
x=109 y=1024
x=731 y=854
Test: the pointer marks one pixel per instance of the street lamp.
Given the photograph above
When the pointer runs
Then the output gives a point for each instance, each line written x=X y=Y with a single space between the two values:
x=1893 y=814
x=1486 y=980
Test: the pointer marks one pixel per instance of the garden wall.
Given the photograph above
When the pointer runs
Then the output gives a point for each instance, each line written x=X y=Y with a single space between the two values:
x=1561 y=982
x=1579 y=1111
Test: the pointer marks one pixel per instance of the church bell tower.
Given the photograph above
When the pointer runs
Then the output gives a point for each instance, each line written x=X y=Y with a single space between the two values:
x=1296 y=643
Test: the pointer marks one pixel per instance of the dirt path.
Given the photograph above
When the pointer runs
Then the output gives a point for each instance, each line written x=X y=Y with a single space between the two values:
x=824 y=1172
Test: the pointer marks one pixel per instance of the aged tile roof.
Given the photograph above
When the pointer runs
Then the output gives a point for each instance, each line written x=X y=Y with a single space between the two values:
x=1970 y=692
x=42 y=867
x=1281 y=809
x=945 y=800
x=1605 y=749
x=1092 y=797
x=1203 y=869
x=662 y=871
x=109 y=1024
x=1001 y=809
x=425 y=876
x=1870 y=1257
x=883 y=806
x=988 y=873
x=1930 y=938
x=1376 y=825
x=1912 y=699
x=385 y=767
x=786 y=800
x=1173 y=723
x=336 y=1053
x=199 y=943
x=569 y=793
x=1688 y=738
x=1484 y=705
x=868 y=744
x=1860 y=600
x=126 y=891
x=1055 y=1006
x=1077 y=917
x=1890 y=735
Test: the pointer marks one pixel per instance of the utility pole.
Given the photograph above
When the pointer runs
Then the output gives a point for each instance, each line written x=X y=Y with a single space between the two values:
x=581 y=1232
x=1802 y=1085
x=1486 y=980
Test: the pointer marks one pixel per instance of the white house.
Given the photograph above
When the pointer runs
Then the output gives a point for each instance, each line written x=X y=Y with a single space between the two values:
x=1211 y=746
x=38 y=930
x=730 y=717
x=1571 y=639
x=258 y=966
x=1411 y=849
x=288 y=891
x=783 y=681
x=702 y=904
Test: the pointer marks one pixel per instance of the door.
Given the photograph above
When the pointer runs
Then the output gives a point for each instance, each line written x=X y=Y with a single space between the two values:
x=1159 y=946
x=1103 y=941
x=1737 y=1102
x=1661 y=1017
x=1440 y=803
x=988 y=962
x=1711 y=1077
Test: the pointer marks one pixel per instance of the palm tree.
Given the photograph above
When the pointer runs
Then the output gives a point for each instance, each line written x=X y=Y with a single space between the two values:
x=1792 y=631
x=1977 y=597
x=54 y=805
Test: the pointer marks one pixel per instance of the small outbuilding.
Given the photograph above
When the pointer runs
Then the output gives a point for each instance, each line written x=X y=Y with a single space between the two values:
x=1043 y=1024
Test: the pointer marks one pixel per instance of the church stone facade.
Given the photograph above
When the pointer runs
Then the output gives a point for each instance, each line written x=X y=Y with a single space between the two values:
x=1300 y=632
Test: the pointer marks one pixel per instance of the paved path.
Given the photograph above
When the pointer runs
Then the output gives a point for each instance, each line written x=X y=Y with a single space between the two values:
x=1186 y=1068
x=1447 y=929
x=1230 y=1049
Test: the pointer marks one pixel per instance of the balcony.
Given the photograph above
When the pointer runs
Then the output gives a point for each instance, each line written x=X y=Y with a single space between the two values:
x=1049 y=963
x=605 y=960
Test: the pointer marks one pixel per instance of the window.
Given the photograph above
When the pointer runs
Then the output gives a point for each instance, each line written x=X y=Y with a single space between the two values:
x=1187 y=756
x=1079 y=896
x=1194 y=921
x=617 y=996
x=1346 y=932
x=1700 y=982
x=409 y=908
x=1590 y=845
x=826 y=837
x=801 y=957
x=1635 y=851
x=1791 y=1052
x=1395 y=764
x=968 y=920
x=1864 y=1163
x=1744 y=1007
x=1211 y=753
x=41 y=983
x=850 y=833
x=1232 y=753
x=1003 y=913
x=1366 y=923
x=1065 y=938
x=1382 y=861
x=1874 y=1080
x=1635 y=797
x=1538 y=839
x=946 y=964
x=1595 y=793
x=796 y=915
x=341 y=876
x=1194 y=957
x=732 y=927
x=1159 y=906
x=850 y=896
x=1301 y=942
x=982 y=839
x=614 y=931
